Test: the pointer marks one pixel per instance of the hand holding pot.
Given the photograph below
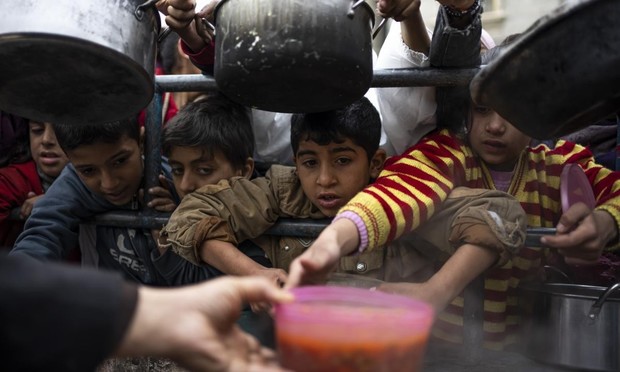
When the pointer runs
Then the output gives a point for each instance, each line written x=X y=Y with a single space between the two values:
x=399 y=10
x=582 y=234
x=180 y=17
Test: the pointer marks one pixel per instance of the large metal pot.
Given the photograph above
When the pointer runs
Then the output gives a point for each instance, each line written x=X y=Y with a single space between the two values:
x=576 y=326
x=293 y=55
x=561 y=74
x=77 y=61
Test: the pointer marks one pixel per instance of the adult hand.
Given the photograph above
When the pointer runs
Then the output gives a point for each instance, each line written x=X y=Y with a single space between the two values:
x=582 y=234
x=28 y=204
x=196 y=325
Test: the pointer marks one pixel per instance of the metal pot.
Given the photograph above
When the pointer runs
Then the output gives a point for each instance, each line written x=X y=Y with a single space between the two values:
x=293 y=55
x=576 y=326
x=561 y=74
x=77 y=61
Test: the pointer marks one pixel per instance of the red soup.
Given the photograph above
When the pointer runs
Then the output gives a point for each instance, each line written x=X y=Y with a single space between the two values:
x=351 y=329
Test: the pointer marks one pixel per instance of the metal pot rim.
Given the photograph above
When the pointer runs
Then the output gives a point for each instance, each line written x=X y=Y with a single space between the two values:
x=589 y=292
x=364 y=5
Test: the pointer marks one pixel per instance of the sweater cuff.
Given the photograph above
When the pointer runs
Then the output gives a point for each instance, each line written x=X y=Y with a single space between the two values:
x=361 y=228
x=203 y=59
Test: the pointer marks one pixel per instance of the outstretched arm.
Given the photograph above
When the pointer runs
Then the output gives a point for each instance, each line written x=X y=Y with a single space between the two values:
x=204 y=335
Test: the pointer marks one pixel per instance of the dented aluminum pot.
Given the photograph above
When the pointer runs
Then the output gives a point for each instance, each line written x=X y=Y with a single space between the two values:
x=293 y=55
x=77 y=61
x=571 y=325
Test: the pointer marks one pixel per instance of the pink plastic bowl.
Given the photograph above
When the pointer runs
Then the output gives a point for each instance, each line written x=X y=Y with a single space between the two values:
x=351 y=329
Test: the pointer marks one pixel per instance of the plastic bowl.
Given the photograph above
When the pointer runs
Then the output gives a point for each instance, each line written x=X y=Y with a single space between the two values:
x=332 y=328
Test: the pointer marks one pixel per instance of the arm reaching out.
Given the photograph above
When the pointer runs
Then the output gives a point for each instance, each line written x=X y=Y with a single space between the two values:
x=204 y=335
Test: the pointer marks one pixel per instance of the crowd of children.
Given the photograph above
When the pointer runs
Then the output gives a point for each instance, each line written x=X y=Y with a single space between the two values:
x=451 y=202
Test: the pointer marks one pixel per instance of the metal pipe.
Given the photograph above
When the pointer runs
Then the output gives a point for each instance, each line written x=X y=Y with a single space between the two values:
x=382 y=78
x=152 y=145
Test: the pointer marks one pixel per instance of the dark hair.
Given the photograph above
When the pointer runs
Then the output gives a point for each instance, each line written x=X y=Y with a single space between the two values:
x=213 y=123
x=72 y=136
x=360 y=122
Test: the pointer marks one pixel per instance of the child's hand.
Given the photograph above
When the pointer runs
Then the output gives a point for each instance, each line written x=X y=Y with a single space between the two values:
x=277 y=276
x=204 y=22
x=28 y=204
x=582 y=234
x=161 y=197
x=399 y=10
x=179 y=13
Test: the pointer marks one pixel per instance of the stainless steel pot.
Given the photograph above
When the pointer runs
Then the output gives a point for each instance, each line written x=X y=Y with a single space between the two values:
x=570 y=325
x=77 y=61
x=293 y=55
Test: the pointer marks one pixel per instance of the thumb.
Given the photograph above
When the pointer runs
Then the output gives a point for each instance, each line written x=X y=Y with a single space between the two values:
x=31 y=194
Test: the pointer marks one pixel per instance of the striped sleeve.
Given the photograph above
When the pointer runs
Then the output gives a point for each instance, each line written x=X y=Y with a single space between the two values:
x=410 y=188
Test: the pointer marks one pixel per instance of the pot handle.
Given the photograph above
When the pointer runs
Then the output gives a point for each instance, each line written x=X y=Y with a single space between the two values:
x=139 y=13
x=351 y=12
x=598 y=305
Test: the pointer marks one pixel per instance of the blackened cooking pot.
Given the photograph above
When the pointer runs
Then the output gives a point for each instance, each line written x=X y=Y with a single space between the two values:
x=570 y=325
x=293 y=55
x=561 y=75
x=77 y=61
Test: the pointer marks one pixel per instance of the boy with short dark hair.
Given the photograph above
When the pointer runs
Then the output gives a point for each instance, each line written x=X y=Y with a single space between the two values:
x=105 y=173
x=209 y=140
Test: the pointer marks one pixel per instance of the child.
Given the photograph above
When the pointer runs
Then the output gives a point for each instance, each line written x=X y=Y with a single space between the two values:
x=210 y=140
x=492 y=154
x=23 y=183
x=104 y=174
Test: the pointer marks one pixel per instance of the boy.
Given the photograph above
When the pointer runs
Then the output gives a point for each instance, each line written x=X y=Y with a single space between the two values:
x=104 y=174
x=209 y=140
x=494 y=155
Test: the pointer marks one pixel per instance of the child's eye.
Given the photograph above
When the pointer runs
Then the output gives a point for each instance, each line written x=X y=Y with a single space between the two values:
x=204 y=171
x=482 y=109
x=119 y=161
x=86 y=172
x=176 y=171
x=37 y=131
x=343 y=161
x=309 y=163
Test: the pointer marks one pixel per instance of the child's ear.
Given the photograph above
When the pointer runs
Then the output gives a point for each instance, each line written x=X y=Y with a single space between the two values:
x=376 y=163
x=248 y=168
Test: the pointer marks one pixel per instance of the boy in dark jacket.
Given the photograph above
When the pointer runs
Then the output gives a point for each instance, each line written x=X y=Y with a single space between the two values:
x=105 y=173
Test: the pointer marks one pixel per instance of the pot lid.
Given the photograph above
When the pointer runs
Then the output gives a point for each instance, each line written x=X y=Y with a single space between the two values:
x=560 y=75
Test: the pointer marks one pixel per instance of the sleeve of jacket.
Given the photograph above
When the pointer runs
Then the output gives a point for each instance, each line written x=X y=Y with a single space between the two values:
x=454 y=48
x=235 y=210
x=60 y=318
x=53 y=226
x=177 y=271
x=15 y=183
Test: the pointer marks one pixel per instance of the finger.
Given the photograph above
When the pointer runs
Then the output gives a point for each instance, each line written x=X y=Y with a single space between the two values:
x=572 y=217
x=257 y=289
x=183 y=4
x=31 y=194
x=208 y=10
x=160 y=192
